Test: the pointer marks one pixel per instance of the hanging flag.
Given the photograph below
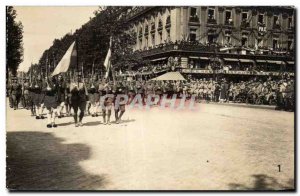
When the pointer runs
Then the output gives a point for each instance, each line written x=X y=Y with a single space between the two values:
x=107 y=63
x=67 y=60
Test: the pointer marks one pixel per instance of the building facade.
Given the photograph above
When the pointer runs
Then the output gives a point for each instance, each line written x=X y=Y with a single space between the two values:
x=197 y=39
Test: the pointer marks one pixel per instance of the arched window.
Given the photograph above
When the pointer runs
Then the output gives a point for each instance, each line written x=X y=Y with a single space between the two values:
x=168 y=22
x=160 y=25
x=153 y=27
x=146 y=30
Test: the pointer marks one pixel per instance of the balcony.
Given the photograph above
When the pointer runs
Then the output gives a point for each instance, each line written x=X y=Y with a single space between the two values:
x=245 y=24
x=228 y=22
x=211 y=21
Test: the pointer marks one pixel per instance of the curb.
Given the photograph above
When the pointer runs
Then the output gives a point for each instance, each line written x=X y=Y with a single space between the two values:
x=268 y=107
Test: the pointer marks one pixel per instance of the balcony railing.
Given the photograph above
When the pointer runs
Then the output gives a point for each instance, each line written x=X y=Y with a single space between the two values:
x=194 y=19
x=211 y=21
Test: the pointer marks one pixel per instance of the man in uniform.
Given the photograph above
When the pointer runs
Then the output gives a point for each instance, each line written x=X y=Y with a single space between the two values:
x=78 y=99
x=94 y=95
x=107 y=89
x=51 y=101
x=120 y=90
x=26 y=94
x=15 y=92
x=61 y=95
x=37 y=97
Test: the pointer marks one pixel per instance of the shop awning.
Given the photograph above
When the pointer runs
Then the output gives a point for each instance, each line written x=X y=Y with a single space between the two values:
x=290 y=62
x=194 y=57
x=261 y=61
x=204 y=58
x=230 y=59
x=170 y=76
x=246 y=60
x=159 y=59
x=275 y=62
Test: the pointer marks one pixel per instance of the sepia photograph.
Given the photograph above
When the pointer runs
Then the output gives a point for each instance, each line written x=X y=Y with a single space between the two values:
x=150 y=98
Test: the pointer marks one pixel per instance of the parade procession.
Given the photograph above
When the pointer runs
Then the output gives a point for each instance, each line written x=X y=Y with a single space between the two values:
x=151 y=98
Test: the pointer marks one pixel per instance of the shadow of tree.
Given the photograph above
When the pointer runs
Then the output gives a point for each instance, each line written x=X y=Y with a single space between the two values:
x=264 y=182
x=39 y=161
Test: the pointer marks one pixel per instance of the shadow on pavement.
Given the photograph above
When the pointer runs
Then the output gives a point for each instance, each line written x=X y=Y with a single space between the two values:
x=65 y=124
x=40 y=161
x=264 y=182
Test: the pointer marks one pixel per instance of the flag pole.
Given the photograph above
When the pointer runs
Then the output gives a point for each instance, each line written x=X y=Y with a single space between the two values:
x=77 y=59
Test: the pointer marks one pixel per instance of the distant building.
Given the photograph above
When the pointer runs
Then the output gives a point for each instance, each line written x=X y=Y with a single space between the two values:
x=242 y=40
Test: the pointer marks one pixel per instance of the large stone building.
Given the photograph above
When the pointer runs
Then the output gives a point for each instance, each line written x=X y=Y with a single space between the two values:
x=198 y=39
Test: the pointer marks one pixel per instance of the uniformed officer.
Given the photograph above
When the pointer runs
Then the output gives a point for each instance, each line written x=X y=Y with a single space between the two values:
x=15 y=92
x=78 y=99
x=38 y=97
x=94 y=95
x=120 y=89
x=26 y=96
x=107 y=91
x=61 y=95
x=51 y=100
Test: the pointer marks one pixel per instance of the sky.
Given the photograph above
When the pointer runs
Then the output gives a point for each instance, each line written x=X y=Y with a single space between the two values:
x=41 y=25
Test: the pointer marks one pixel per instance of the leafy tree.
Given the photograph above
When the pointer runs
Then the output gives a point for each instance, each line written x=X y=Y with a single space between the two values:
x=14 y=41
x=93 y=42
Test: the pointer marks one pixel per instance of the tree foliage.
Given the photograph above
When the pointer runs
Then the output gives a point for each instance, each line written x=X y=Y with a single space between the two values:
x=93 y=42
x=14 y=41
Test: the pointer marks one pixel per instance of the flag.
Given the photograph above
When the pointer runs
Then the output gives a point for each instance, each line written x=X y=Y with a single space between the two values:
x=107 y=62
x=67 y=60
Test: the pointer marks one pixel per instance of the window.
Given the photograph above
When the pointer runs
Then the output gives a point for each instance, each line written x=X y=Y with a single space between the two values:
x=228 y=19
x=290 y=45
x=227 y=37
x=290 y=22
x=260 y=19
x=160 y=37
x=193 y=12
x=192 y=35
x=275 y=43
x=244 y=16
x=211 y=14
x=153 y=39
x=244 y=41
x=193 y=15
x=168 y=35
x=276 y=21
x=146 y=41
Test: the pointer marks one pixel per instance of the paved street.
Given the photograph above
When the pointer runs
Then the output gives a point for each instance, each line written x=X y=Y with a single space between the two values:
x=217 y=147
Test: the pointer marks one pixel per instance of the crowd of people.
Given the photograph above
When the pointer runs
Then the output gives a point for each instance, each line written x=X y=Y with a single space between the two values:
x=59 y=95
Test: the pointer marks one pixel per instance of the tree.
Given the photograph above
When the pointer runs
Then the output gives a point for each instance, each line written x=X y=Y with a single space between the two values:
x=93 y=42
x=14 y=41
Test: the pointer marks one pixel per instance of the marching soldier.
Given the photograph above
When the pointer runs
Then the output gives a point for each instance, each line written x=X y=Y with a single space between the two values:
x=61 y=95
x=107 y=89
x=26 y=96
x=38 y=97
x=51 y=101
x=120 y=90
x=78 y=99
x=15 y=92
x=94 y=95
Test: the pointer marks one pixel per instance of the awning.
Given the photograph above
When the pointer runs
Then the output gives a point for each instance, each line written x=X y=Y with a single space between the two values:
x=170 y=76
x=159 y=59
x=230 y=59
x=261 y=61
x=246 y=60
x=290 y=62
x=275 y=62
x=204 y=58
x=194 y=57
